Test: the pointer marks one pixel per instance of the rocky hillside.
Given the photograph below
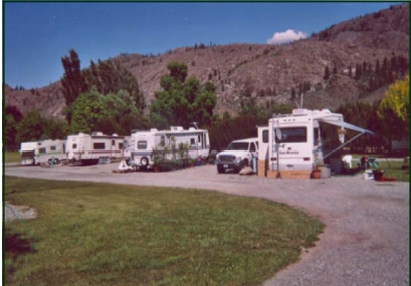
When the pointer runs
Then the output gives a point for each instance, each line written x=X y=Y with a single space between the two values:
x=268 y=72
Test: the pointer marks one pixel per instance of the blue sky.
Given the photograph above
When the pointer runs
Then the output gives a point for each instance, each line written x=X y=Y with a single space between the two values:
x=37 y=35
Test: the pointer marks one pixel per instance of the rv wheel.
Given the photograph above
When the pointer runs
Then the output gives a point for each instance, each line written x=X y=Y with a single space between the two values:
x=144 y=161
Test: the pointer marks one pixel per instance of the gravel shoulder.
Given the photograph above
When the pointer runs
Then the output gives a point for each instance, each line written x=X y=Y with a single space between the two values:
x=366 y=239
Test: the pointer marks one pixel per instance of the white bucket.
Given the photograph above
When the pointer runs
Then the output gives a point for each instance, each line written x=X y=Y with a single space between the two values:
x=368 y=175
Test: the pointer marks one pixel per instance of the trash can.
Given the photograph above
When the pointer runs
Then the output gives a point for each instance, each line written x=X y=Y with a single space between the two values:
x=336 y=165
x=325 y=171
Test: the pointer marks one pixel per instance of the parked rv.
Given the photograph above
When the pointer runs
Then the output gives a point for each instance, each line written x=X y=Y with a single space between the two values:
x=295 y=142
x=237 y=155
x=40 y=152
x=95 y=148
x=144 y=144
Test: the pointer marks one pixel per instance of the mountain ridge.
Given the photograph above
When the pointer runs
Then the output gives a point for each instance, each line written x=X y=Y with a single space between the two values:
x=267 y=72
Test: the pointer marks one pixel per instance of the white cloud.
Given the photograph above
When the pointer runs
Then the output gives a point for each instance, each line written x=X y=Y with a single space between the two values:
x=286 y=37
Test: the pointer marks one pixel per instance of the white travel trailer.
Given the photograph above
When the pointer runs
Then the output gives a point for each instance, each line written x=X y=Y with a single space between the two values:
x=40 y=152
x=295 y=142
x=96 y=147
x=145 y=143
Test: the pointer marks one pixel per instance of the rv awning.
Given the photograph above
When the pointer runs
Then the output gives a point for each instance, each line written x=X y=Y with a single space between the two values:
x=347 y=125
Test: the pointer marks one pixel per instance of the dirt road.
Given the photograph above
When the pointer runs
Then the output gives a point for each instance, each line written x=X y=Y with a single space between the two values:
x=366 y=240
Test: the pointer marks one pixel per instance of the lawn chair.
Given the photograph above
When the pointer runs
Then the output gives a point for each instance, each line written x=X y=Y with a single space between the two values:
x=372 y=163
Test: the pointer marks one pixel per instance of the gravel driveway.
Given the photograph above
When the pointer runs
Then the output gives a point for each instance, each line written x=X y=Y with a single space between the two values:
x=366 y=239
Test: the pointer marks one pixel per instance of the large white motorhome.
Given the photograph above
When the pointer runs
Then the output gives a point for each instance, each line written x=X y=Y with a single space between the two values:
x=40 y=152
x=295 y=142
x=96 y=147
x=145 y=143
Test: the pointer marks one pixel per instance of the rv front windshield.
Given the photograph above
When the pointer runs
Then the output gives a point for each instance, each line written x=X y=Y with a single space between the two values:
x=238 y=146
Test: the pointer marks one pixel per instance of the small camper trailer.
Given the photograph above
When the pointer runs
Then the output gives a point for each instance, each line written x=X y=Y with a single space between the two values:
x=145 y=143
x=40 y=152
x=94 y=148
x=293 y=143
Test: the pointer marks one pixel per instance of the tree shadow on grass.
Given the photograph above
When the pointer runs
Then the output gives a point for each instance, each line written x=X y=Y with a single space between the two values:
x=16 y=246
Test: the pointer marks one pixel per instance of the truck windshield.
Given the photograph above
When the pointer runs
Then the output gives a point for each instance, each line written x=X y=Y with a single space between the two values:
x=238 y=146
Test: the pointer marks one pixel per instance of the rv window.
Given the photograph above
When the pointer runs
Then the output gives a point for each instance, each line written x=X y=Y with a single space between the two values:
x=265 y=136
x=252 y=148
x=74 y=146
x=294 y=134
x=192 y=141
x=163 y=140
x=142 y=144
x=199 y=138
x=42 y=150
x=99 y=146
x=113 y=143
x=53 y=148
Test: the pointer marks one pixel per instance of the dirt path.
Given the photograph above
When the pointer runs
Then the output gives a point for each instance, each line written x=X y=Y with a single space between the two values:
x=366 y=240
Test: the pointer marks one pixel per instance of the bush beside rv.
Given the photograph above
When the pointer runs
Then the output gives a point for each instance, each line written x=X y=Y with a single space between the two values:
x=237 y=155
x=94 y=148
x=144 y=145
x=41 y=152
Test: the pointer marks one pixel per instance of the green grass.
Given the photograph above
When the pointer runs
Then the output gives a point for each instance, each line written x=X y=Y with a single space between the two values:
x=10 y=157
x=102 y=234
x=394 y=170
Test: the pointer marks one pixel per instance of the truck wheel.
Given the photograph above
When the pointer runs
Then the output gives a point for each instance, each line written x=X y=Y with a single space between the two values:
x=220 y=169
x=245 y=163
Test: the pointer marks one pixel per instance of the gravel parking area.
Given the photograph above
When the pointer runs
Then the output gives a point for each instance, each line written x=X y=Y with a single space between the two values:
x=366 y=239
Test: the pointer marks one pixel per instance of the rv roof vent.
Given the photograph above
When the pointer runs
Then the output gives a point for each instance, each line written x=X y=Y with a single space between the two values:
x=152 y=130
x=176 y=128
x=97 y=133
x=115 y=134
x=300 y=111
x=192 y=128
x=81 y=133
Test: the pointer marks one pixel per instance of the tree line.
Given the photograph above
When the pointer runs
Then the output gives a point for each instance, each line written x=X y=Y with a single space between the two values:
x=106 y=97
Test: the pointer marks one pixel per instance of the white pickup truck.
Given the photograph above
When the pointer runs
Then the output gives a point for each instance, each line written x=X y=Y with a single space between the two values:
x=237 y=155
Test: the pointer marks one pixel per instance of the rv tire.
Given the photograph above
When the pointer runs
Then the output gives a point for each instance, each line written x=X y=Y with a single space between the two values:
x=144 y=161
x=220 y=169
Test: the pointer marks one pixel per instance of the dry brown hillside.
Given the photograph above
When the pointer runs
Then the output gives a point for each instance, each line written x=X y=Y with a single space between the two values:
x=268 y=72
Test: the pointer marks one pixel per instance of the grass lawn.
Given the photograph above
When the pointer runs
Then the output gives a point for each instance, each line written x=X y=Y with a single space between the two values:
x=102 y=234
x=393 y=170
x=11 y=157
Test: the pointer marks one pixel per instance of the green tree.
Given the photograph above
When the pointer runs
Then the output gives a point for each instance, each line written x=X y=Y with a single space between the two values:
x=394 y=108
x=326 y=73
x=11 y=119
x=293 y=93
x=72 y=80
x=93 y=111
x=182 y=101
x=106 y=76
x=31 y=127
